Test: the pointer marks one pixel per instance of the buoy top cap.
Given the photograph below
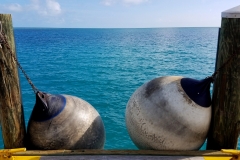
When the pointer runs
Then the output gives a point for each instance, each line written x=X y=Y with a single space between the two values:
x=232 y=13
x=198 y=91
x=47 y=106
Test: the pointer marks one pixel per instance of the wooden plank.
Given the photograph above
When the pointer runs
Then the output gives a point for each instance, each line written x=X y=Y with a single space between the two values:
x=120 y=152
x=11 y=109
x=121 y=155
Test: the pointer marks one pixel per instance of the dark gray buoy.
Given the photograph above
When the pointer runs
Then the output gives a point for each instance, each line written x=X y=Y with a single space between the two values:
x=64 y=122
x=170 y=113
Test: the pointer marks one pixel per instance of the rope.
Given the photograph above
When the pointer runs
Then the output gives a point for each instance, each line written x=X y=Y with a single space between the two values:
x=223 y=65
x=3 y=40
x=1 y=26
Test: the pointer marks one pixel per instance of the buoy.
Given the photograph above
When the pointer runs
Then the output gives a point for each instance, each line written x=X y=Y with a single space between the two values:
x=64 y=122
x=170 y=113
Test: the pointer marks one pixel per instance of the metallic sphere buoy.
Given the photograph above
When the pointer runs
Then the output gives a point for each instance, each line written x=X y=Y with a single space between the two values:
x=170 y=113
x=64 y=122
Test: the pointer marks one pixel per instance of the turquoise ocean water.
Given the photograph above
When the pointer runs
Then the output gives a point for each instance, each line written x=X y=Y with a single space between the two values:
x=105 y=66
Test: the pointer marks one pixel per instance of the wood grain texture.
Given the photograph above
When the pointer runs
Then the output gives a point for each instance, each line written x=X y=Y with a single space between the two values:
x=225 y=125
x=11 y=110
x=122 y=157
x=120 y=152
x=124 y=154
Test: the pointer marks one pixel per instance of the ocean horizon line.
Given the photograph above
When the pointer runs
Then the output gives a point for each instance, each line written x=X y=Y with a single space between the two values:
x=107 y=27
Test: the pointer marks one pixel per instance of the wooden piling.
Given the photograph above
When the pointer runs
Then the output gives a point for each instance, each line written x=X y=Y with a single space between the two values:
x=225 y=127
x=11 y=109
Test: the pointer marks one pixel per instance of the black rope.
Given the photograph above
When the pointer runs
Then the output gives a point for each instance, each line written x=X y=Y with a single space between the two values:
x=227 y=62
x=3 y=40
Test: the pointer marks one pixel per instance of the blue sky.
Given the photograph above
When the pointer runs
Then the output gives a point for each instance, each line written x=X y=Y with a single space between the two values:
x=116 y=13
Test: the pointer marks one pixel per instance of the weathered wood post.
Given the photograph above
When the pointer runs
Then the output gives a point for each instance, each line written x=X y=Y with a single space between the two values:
x=225 y=127
x=11 y=109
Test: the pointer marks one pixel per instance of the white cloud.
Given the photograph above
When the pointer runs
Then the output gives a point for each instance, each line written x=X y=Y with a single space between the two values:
x=53 y=7
x=126 y=2
x=35 y=5
x=49 y=8
x=108 y=2
x=14 y=7
x=134 y=1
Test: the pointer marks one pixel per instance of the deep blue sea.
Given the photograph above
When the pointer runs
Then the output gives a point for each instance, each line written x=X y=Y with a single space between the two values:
x=105 y=66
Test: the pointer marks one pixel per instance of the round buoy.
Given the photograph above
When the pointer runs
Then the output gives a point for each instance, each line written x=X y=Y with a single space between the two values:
x=170 y=113
x=64 y=122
